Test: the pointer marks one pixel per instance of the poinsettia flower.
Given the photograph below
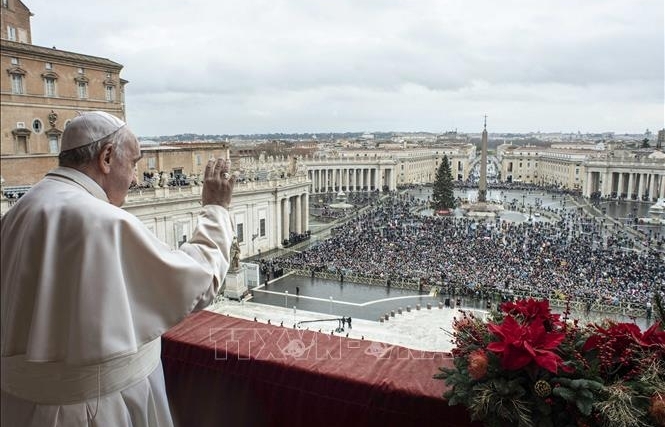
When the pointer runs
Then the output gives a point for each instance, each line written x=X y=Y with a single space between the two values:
x=621 y=335
x=531 y=310
x=523 y=344
x=655 y=335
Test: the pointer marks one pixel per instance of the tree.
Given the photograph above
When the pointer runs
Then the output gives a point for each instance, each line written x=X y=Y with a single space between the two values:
x=645 y=143
x=442 y=196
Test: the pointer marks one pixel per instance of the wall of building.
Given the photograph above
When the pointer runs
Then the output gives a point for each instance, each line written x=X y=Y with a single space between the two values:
x=32 y=109
x=39 y=95
x=26 y=170
x=15 y=15
x=190 y=160
x=171 y=213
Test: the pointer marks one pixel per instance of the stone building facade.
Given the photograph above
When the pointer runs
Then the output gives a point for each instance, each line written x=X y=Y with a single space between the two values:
x=41 y=90
x=179 y=160
x=613 y=172
x=263 y=213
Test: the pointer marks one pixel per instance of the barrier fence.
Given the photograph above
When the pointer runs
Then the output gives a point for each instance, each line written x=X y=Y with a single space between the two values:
x=411 y=284
x=576 y=305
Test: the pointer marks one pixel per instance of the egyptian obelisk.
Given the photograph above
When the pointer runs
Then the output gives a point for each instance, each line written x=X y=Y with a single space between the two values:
x=482 y=185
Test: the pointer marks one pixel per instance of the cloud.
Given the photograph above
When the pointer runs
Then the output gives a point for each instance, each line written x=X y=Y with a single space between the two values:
x=315 y=65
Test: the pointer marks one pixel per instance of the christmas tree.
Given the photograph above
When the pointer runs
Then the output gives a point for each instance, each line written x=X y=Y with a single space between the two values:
x=443 y=197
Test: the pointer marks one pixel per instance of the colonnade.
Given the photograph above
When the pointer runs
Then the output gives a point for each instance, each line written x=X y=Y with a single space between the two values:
x=333 y=179
x=292 y=215
x=629 y=185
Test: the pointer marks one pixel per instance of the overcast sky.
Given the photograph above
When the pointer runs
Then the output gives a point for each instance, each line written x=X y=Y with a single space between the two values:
x=259 y=66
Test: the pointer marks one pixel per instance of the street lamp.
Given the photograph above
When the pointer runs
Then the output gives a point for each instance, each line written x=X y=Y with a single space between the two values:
x=331 y=300
x=523 y=197
x=286 y=299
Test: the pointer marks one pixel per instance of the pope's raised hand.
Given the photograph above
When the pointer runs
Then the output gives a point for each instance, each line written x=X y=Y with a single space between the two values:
x=218 y=183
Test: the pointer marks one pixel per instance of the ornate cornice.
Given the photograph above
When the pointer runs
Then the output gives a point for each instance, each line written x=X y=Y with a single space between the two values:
x=53 y=55
x=50 y=75
x=16 y=70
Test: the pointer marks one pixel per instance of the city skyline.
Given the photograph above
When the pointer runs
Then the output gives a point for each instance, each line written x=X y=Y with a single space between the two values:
x=314 y=67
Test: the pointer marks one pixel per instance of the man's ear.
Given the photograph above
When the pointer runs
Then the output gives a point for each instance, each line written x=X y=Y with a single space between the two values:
x=104 y=159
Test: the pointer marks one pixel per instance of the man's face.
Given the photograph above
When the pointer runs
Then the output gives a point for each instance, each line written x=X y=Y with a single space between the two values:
x=123 y=170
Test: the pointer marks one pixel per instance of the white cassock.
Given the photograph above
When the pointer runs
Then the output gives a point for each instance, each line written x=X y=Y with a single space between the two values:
x=86 y=292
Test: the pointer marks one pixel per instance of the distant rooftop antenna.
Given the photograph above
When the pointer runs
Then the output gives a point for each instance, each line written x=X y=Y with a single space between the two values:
x=485 y=121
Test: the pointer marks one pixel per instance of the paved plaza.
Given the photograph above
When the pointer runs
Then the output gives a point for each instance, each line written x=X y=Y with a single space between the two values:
x=424 y=329
x=290 y=299
x=419 y=329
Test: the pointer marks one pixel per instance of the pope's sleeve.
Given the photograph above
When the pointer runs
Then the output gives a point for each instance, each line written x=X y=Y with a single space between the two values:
x=105 y=284
x=212 y=236
x=163 y=285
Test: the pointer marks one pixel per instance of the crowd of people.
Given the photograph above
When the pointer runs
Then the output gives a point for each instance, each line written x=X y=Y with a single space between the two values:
x=572 y=257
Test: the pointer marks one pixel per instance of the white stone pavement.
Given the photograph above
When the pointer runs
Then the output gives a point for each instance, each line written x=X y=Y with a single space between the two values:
x=423 y=329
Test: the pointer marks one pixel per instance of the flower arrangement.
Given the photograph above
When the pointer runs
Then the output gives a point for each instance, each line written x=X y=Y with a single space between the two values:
x=527 y=367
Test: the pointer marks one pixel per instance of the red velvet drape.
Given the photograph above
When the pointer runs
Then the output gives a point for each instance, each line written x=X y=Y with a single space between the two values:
x=224 y=371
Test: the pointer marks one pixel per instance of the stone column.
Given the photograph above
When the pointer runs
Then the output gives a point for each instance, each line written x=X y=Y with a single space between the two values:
x=631 y=185
x=640 y=191
x=298 y=215
x=620 y=188
x=285 y=219
x=293 y=214
x=482 y=184
x=278 y=221
x=305 y=212
x=652 y=187
x=662 y=187
x=589 y=184
x=607 y=184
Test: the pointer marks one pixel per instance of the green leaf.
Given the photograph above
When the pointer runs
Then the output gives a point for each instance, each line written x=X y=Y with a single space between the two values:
x=584 y=405
x=564 y=393
x=453 y=401
x=585 y=394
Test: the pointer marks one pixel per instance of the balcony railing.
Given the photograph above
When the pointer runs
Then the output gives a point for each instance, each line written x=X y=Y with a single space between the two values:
x=222 y=370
